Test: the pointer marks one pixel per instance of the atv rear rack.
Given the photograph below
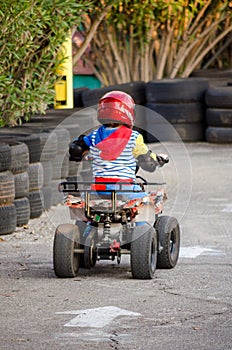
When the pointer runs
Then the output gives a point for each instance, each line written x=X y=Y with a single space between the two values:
x=73 y=186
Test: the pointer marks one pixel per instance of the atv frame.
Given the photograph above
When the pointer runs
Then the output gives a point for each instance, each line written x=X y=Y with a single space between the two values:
x=108 y=225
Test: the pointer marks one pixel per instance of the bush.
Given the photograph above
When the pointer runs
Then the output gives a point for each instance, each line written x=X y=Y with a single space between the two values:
x=31 y=36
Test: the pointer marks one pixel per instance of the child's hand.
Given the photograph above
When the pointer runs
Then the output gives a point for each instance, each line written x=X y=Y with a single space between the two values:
x=162 y=159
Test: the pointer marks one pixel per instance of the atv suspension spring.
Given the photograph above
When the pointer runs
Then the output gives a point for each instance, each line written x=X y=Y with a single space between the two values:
x=106 y=230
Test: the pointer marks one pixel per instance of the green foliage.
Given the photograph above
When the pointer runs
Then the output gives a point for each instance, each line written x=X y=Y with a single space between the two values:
x=133 y=13
x=31 y=35
x=153 y=39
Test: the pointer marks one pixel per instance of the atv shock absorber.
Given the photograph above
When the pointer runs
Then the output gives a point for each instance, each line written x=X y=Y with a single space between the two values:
x=106 y=229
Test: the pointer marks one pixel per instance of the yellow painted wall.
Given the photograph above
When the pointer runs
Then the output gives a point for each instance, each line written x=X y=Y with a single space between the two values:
x=64 y=87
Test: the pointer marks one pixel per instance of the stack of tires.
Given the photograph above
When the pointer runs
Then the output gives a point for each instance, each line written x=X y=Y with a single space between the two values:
x=175 y=107
x=80 y=122
x=42 y=149
x=8 y=216
x=135 y=89
x=60 y=164
x=77 y=96
x=219 y=113
x=19 y=169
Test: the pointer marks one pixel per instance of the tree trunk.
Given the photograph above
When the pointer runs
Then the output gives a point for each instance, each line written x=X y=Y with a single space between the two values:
x=90 y=34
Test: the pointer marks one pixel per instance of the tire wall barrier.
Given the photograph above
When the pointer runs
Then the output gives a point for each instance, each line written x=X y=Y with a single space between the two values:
x=219 y=114
x=34 y=160
x=195 y=109
x=14 y=160
x=180 y=102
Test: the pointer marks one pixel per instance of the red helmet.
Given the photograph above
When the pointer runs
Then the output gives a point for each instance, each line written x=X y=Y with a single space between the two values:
x=116 y=107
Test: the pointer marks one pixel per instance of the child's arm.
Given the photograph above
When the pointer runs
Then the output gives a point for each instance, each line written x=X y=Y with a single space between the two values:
x=147 y=160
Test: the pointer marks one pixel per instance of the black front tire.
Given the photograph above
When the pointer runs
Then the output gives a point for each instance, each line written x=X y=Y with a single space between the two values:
x=65 y=260
x=168 y=231
x=143 y=252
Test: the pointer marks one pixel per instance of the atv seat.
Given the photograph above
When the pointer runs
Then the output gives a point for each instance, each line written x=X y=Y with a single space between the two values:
x=104 y=191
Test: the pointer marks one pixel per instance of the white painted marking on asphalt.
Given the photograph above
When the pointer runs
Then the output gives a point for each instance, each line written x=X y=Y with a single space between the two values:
x=97 y=317
x=227 y=208
x=193 y=252
x=216 y=199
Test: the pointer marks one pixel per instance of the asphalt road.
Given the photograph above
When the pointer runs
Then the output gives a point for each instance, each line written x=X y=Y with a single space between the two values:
x=188 y=307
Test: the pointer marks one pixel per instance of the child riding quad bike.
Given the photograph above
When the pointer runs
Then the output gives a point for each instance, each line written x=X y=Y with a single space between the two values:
x=117 y=212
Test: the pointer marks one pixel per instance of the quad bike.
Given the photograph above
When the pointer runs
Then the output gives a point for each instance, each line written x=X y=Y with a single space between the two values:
x=110 y=222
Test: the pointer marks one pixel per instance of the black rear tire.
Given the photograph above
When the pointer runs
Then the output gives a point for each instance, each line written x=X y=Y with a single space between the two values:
x=168 y=231
x=65 y=259
x=143 y=252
